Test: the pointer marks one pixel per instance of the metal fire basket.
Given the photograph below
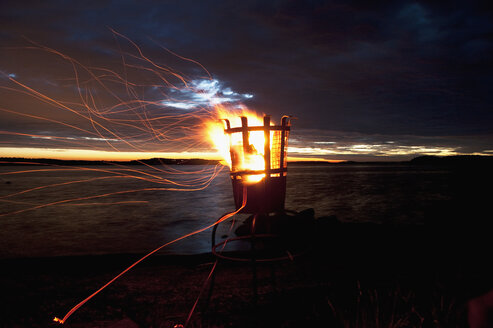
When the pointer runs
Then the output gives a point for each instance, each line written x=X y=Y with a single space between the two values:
x=263 y=196
x=268 y=194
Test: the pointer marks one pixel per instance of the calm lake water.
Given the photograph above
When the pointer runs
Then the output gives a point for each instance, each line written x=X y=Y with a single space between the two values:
x=376 y=193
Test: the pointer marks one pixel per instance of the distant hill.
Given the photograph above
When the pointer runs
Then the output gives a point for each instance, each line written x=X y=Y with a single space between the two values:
x=174 y=161
x=152 y=161
x=457 y=160
x=461 y=160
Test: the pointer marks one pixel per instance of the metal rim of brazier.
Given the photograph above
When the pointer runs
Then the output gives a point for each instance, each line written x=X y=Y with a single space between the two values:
x=245 y=129
x=268 y=194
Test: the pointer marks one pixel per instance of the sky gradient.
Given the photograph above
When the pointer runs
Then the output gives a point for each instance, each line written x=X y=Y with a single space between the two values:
x=365 y=81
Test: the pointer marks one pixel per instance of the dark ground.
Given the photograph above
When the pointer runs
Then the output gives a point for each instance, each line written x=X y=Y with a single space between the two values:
x=351 y=275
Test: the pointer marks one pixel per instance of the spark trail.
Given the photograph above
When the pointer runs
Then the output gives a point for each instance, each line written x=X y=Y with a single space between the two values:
x=221 y=219
x=144 y=109
x=132 y=112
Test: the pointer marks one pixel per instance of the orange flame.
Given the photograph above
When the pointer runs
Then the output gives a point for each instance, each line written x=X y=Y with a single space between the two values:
x=224 y=143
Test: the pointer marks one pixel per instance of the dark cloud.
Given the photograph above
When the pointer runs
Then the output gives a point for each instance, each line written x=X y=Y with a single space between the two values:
x=403 y=69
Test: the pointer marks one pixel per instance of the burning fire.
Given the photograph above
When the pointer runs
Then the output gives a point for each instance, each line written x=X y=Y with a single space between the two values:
x=253 y=160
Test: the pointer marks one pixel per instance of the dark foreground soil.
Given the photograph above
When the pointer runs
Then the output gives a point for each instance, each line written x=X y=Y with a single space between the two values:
x=346 y=276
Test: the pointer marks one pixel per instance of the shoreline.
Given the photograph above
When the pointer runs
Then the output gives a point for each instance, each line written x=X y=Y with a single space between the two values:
x=452 y=160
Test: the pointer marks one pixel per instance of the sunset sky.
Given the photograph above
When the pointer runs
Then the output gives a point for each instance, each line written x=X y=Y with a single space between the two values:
x=364 y=80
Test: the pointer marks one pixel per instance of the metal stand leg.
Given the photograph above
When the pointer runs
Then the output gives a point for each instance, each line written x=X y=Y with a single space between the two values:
x=253 y=257
x=253 y=261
